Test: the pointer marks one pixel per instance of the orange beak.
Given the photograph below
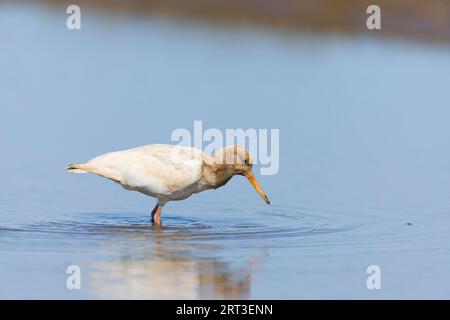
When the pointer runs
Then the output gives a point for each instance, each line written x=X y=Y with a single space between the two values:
x=257 y=187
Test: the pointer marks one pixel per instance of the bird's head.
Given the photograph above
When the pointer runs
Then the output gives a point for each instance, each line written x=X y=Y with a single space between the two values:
x=240 y=162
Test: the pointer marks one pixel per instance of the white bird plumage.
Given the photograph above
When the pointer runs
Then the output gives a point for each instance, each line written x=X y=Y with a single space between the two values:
x=169 y=172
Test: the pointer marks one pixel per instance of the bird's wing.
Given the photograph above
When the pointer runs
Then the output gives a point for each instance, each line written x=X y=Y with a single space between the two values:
x=158 y=169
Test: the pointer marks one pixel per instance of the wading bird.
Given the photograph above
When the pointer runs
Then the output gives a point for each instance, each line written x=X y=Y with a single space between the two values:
x=170 y=172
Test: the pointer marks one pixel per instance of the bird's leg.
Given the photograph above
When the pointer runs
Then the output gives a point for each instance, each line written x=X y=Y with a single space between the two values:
x=156 y=214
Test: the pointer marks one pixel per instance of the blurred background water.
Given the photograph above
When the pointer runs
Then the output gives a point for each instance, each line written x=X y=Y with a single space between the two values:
x=364 y=155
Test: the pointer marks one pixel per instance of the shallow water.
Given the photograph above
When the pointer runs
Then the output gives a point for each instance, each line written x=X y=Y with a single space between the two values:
x=364 y=161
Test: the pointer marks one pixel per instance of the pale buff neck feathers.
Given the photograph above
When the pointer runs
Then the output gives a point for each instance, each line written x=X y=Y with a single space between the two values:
x=219 y=169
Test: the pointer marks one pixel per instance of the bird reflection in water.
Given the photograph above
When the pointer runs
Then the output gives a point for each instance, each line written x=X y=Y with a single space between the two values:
x=171 y=263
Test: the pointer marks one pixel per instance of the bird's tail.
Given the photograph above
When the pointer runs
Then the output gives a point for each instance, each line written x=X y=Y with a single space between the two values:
x=76 y=168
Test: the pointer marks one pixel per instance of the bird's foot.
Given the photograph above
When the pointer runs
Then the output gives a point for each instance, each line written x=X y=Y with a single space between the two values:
x=156 y=215
x=156 y=221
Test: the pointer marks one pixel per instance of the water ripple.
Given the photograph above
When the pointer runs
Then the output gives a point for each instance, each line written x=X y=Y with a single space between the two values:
x=202 y=226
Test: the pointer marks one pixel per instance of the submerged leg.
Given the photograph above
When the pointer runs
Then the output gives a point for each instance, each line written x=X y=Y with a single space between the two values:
x=156 y=214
